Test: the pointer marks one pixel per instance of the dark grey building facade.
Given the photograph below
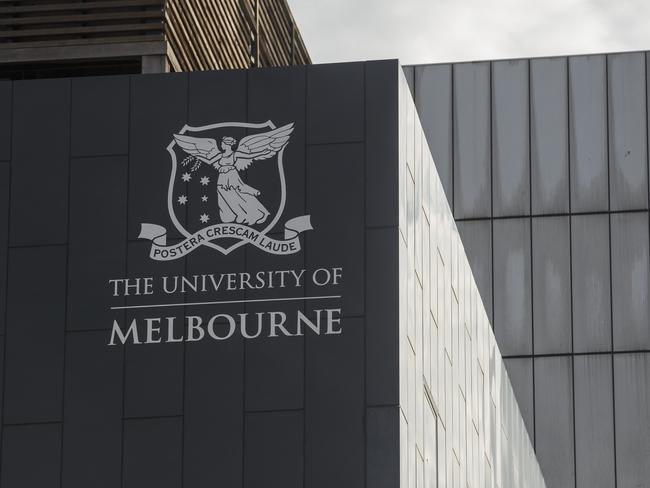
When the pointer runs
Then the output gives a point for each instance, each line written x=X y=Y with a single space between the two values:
x=545 y=165
x=243 y=279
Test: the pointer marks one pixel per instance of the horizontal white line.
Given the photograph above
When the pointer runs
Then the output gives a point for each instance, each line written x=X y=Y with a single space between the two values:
x=257 y=300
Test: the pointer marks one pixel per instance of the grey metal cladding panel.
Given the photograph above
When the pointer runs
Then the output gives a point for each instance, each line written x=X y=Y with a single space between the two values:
x=382 y=447
x=472 y=173
x=99 y=116
x=92 y=444
x=334 y=416
x=512 y=286
x=510 y=138
x=549 y=135
x=153 y=124
x=336 y=207
x=551 y=285
x=213 y=417
x=39 y=168
x=382 y=152
x=588 y=133
x=554 y=420
x=6 y=88
x=433 y=89
x=4 y=237
x=382 y=334
x=274 y=449
x=628 y=152
x=594 y=421
x=97 y=246
x=35 y=325
x=476 y=236
x=31 y=455
x=591 y=283
x=152 y=453
x=335 y=103
x=632 y=397
x=409 y=76
x=520 y=372
x=630 y=274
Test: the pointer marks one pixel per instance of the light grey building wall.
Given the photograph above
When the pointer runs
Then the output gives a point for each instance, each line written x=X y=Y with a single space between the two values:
x=460 y=425
x=545 y=165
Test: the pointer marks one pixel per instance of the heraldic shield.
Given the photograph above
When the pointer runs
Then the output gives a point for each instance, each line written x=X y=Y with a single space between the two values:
x=211 y=200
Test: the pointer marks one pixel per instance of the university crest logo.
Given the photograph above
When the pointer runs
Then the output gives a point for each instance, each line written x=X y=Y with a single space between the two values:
x=211 y=200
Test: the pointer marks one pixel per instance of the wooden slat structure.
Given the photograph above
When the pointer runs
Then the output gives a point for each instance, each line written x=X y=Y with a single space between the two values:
x=179 y=35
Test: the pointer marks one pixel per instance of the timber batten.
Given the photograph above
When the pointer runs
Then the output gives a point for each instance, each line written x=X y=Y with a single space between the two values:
x=186 y=35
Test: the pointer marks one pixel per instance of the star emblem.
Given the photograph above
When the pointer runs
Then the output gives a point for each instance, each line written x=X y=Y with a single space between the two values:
x=205 y=180
x=186 y=177
x=204 y=198
x=182 y=199
x=204 y=218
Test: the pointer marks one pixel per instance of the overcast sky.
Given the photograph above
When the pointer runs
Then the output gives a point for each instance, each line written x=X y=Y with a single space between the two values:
x=432 y=31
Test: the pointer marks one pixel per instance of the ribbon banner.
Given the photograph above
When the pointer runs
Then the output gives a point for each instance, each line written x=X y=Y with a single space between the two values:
x=160 y=251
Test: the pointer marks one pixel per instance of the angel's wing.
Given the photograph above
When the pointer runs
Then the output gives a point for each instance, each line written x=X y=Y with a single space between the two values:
x=198 y=146
x=262 y=146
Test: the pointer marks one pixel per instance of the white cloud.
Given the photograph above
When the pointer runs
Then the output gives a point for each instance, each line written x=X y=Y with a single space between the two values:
x=431 y=31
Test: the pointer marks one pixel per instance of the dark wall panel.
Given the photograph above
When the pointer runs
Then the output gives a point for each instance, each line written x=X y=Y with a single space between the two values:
x=336 y=204
x=381 y=130
x=84 y=163
x=97 y=238
x=5 y=185
x=31 y=456
x=152 y=453
x=6 y=89
x=335 y=103
x=275 y=369
x=334 y=411
x=92 y=441
x=153 y=384
x=35 y=334
x=382 y=459
x=158 y=110
x=214 y=414
x=274 y=450
x=382 y=339
x=216 y=97
x=100 y=123
x=287 y=105
x=40 y=143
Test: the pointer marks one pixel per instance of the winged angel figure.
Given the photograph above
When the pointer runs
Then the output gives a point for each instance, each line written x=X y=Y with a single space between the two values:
x=237 y=201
